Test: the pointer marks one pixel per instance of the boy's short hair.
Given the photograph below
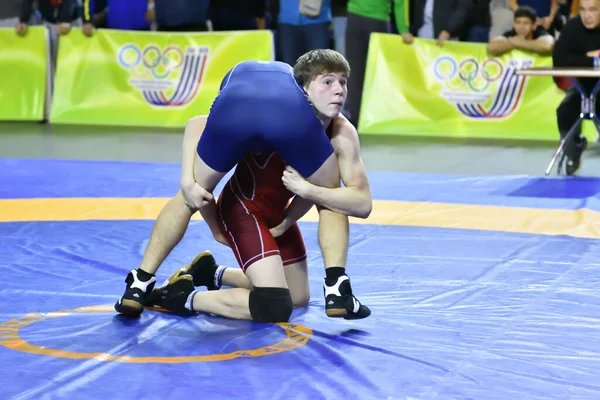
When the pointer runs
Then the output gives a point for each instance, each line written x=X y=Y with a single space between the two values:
x=316 y=62
x=526 y=11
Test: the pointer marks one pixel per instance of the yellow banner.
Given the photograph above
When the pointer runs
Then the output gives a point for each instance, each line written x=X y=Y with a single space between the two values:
x=24 y=74
x=457 y=90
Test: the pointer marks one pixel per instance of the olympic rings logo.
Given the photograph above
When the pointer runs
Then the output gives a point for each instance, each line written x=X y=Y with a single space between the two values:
x=151 y=61
x=468 y=73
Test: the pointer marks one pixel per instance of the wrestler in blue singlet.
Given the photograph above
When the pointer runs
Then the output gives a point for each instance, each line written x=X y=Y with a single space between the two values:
x=261 y=107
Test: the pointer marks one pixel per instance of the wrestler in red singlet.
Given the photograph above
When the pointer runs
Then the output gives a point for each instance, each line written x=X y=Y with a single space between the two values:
x=252 y=202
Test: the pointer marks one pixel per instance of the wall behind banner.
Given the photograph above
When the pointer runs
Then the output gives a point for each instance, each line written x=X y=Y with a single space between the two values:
x=145 y=78
x=457 y=90
x=23 y=74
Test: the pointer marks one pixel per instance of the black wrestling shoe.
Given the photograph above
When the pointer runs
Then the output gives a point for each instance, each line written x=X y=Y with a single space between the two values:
x=174 y=294
x=341 y=303
x=133 y=300
x=203 y=270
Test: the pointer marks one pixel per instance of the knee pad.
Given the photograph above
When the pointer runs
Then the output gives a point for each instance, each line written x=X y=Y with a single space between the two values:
x=270 y=304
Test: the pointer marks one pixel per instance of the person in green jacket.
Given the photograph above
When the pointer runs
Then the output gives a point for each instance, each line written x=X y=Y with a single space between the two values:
x=364 y=18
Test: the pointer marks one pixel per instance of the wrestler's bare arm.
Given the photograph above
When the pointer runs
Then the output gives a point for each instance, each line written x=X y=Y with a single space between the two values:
x=354 y=199
x=191 y=137
x=195 y=196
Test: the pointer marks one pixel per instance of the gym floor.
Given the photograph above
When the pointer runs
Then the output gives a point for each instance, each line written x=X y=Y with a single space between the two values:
x=481 y=273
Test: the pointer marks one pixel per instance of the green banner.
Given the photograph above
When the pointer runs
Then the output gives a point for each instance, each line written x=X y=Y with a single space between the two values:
x=23 y=72
x=147 y=78
x=456 y=90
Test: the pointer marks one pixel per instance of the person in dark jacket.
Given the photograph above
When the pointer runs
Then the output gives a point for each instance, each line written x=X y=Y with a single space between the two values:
x=9 y=12
x=115 y=14
x=180 y=15
x=577 y=46
x=439 y=19
x=61 y=13
x=238 y=15
x=479 y=23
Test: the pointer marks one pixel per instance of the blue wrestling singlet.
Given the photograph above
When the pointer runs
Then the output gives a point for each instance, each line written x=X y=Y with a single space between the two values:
x=261 y=107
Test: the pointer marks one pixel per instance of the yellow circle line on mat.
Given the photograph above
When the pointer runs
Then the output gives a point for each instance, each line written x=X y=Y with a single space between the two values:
x=582 y=223
x=296 y=336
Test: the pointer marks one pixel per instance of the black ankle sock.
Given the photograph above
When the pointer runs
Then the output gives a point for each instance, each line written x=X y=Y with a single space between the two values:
x=333 y=273
x=143 y=275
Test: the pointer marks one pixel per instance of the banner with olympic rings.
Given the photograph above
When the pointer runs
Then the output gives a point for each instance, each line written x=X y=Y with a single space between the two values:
x=147 y=78
x=24 y=71
x=456 y=90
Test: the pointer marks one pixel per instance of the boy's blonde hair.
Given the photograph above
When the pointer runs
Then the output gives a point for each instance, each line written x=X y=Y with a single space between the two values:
x=317 y=62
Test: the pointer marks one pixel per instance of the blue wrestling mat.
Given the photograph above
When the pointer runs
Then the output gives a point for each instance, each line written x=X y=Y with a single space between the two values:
x=481 y=288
